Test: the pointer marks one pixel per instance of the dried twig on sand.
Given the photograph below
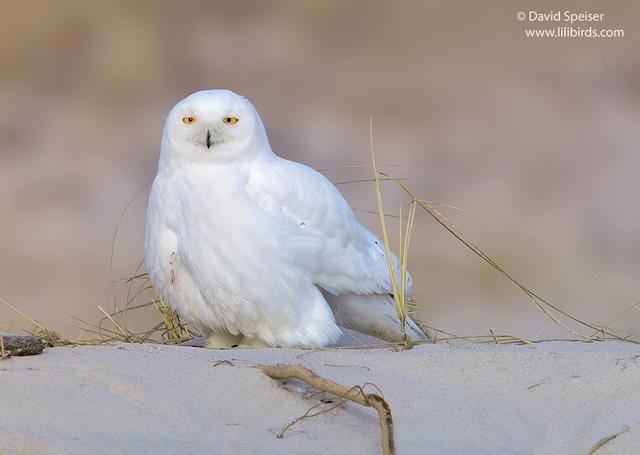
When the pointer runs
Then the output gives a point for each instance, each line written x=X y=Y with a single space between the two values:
x=354 y=394
x=604 y=440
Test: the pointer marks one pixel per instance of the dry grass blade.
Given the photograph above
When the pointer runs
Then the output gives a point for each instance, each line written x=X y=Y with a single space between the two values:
x=3 y=354
x=351 y=166
x=373 y=212
x=141 y=289
x=404 y=251
x=346 y=182
x=383 y=227
x=398 y=298
x=542 y=304
x=20 y=313
x=594 y=276
x=605 y=440
x=47 y=335
x=135 y=277
x=117 y=229
x=125 y=334
x=171 y=320
x=354 y=394
x=96 y=329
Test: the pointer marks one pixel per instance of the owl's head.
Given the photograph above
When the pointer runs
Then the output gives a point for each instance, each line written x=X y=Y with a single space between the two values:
x=215 y=126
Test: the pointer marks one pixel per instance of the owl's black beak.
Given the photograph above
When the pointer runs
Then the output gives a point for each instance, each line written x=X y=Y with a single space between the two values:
x=209 y=139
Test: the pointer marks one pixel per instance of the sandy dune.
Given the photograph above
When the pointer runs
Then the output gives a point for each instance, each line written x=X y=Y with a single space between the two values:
x=551 y=398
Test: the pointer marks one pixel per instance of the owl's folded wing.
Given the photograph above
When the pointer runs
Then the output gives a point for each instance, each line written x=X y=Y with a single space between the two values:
x=321 y=234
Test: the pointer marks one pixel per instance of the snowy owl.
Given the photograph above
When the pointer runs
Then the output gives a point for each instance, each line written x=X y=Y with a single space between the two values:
x=254 y=249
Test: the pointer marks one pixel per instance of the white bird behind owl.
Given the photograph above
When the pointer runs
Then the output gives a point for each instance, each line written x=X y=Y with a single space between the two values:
x=255 y=249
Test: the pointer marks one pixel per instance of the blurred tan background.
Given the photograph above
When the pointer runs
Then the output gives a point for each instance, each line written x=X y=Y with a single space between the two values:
x=540 y=134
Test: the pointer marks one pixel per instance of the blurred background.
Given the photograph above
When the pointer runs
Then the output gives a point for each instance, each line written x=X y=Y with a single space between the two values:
x=539 y=134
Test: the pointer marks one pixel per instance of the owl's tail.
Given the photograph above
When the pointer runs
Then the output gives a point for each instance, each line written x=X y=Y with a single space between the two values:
x=374 y=315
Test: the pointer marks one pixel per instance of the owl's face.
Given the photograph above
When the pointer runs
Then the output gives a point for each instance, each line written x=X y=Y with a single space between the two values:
x=214 y=126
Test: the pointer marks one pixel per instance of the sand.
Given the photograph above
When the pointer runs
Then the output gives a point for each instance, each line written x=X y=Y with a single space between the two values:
x=550 y=398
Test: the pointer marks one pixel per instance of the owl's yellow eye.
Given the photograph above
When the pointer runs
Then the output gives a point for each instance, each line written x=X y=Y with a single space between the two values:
x=230 y=120
x=189 y=120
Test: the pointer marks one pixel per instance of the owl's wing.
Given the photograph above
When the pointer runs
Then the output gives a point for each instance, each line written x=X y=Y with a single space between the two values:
x=319 y=231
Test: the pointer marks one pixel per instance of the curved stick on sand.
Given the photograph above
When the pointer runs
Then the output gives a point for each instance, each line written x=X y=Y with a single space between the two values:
x=355 y=394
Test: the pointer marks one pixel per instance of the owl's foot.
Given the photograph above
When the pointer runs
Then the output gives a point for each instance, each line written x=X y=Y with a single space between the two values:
x=223 y=339
x=252 y=343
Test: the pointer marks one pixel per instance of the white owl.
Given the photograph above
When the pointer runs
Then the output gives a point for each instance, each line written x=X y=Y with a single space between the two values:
x=254 y=249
